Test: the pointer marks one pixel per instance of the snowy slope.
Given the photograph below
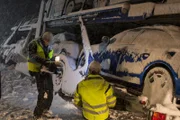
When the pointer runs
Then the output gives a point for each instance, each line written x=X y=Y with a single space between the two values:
x=17 y=92
x=19 y=99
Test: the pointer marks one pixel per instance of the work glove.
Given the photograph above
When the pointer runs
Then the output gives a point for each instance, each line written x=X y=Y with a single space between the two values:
x=57 y=63
x=52 y=66
x=52 y=63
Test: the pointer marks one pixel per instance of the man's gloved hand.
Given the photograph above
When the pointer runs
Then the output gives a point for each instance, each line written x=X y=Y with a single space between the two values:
x=52 y=66
x=50 y=63
x=57 y=63
x=46 y=70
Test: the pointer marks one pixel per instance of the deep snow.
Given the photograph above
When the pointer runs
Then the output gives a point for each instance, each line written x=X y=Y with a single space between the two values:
x=19 y=98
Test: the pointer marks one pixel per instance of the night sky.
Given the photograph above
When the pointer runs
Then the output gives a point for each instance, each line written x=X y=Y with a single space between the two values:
x=13 y=11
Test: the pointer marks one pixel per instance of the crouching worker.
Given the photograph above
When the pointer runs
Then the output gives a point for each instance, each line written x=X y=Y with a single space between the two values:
x=40 y=54
x=94 y=95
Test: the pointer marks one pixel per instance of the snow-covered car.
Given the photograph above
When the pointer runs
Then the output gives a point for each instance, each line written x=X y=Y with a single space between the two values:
x=145 y=60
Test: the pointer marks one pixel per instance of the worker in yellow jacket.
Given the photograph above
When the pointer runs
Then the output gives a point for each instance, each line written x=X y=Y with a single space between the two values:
x=94 y=95
x=40 y=54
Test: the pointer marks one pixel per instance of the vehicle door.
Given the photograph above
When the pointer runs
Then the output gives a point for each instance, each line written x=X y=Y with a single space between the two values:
x=119 y=50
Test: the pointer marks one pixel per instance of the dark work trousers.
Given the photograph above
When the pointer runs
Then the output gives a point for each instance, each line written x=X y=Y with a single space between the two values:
x=45 y=93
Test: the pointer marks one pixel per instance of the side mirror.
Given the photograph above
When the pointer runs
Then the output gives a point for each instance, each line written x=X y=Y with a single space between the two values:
x=105 y=39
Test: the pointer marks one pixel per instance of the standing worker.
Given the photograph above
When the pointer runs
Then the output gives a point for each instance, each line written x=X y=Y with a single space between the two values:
x=40 y=54
x=94 y=95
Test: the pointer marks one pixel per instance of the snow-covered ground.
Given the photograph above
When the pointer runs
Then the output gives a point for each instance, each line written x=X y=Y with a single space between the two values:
x=19 y=98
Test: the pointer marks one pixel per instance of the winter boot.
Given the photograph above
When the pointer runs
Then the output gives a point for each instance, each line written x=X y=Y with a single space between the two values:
x=48 y=114
x=37 y=118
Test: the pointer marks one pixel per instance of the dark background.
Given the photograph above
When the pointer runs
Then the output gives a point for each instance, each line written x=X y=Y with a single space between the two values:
x=13 y=11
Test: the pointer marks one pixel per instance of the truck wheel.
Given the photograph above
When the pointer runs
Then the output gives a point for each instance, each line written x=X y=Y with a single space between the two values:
x=158 y=86
x=70 y=6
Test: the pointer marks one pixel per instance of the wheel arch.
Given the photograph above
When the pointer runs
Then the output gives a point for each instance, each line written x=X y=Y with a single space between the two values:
x=162 y=64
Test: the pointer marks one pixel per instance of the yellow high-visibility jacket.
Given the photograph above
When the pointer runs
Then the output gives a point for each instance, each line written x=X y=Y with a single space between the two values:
x=35 y=66
x=95 y=96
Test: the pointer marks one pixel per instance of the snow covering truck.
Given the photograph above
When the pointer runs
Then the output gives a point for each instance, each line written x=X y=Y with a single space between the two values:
x=144 y=60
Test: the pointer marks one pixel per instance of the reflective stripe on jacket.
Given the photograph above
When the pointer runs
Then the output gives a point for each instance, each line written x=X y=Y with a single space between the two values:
x=95 y=96
x=35 y=66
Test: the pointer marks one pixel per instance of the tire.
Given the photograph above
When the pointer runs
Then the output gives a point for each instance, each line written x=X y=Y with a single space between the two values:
x=158 y=86
x=69 y=7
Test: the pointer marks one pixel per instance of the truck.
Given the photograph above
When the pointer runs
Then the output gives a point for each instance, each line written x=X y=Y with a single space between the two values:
x=143 y=57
